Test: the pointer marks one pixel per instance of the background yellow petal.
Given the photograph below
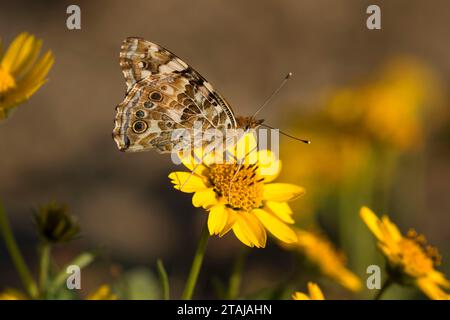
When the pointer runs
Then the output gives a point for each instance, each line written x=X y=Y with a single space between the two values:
x=391 y=228
x=26 y=55
x=439 y=278
x=372 y=222
x=37 y=74
x=29 y=58
x=282 y=192
x=300 y=296
x=315 y=292
x=431 y=289
x=275 y=226
x=348 y=279
x=10 y=57
x=32 y=81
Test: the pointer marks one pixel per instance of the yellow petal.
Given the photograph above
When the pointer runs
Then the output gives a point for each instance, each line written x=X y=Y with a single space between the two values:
x=245 y=150
x=26 y=55
x=29 y=57
x=269 y=166
x=390 y=252
x=250 y=230
x=282 y=192
x=9 y=60
x=204 y=198
x=241 y=235
x=300 y=296
x=188 y=181
x=32 y=81
x=348 y=279
x=102 y=293
x=431 y=289
x=315 y=292
x=39 y=70
x=193 y=161
x=281 y=210
x=439 y=278
x=230 y=222
x=392 y=229
x=372 y=222
x=217 y=219
x=275 y=226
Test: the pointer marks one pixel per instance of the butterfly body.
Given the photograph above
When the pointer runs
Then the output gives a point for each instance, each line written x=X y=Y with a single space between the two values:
x=164 y=95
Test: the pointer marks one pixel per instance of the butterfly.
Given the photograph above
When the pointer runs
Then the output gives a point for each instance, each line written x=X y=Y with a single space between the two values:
x=165 y=94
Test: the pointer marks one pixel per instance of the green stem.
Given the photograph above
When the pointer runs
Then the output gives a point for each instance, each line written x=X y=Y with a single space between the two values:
x=44 y=264
x=234 y=284
x=387 y=283
x=196 y=264
x=164 y=279
x=16 y=256
x=83 y=260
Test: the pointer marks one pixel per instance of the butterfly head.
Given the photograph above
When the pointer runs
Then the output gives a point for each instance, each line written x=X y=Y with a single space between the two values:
x=248 y=123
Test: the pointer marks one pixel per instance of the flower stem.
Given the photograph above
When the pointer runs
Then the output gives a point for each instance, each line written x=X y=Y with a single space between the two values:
x=83 y=260
x=236 y=276
x=44 y=264
x=387 y=283
x=16 y=256
x=164 y=279
x=196 y=264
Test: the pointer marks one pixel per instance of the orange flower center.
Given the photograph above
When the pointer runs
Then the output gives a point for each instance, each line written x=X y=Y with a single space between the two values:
x=7 y=81
x=418 y=257
x=239 y=185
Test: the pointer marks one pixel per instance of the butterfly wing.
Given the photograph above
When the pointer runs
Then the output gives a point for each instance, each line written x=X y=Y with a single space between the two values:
x=164 y=95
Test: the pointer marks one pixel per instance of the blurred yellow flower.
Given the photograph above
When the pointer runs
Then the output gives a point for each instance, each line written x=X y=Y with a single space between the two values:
x=331 y=262
x=21 y=72
x=12 y=294
x=391 y=107
x=239 y=196
x=410 y=259
x=314 y=293
x=102 y=293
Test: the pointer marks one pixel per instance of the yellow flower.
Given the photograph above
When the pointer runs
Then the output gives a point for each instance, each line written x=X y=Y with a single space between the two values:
x=239 y=196
x=314 y=293
x=331 y=262
x=21 y=72
x=12 y=294
x=410 y=259
x=392 y=106
x=102 y=293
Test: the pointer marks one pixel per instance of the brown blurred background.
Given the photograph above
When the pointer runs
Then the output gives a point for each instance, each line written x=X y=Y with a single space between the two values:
x=58 y=146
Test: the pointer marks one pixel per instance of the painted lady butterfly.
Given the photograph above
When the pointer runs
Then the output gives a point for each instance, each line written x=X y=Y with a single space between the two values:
x=165 y=94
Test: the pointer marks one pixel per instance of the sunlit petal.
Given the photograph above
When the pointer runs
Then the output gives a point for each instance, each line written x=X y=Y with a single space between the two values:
x=187 y=181
x=281 y=210
x=217 y=219
x=282 y=192
x=275 y=226
x=204 y=198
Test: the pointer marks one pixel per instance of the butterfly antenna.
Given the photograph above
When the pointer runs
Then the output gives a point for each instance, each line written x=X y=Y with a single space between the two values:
x=287 y=135
x=288 y=76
